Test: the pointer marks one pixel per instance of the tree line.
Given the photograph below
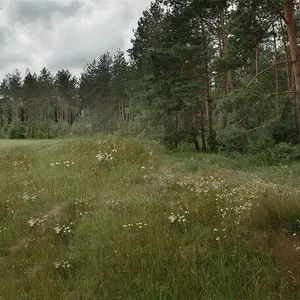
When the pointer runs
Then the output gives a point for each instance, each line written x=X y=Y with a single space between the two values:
x=218 y=74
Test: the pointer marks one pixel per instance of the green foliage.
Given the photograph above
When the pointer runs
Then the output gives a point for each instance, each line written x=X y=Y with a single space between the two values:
x=60 y=129
x=287 y=152
x=239 y=140
x=81 y=128
x=251 y=122
x=232 y=140
x=2 y=133
x=282 y=153
x=285 y=130
x=17 y=132
x=198 y=70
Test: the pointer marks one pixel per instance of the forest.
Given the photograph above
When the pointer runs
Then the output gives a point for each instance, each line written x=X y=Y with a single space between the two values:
x=219 y=75
x=169 y=171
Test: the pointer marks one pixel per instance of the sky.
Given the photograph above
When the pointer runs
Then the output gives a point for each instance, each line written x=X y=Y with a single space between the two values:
x=63 y=34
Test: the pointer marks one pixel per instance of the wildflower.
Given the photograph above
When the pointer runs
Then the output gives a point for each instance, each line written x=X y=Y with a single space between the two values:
x=25 y=197
x=62 y=265
x=57 y=229
x=34 y=222
x=136 y=225
x=31 y=222
x=57 y=265
x=104 y=156
x=2 y=229
x=172 y=218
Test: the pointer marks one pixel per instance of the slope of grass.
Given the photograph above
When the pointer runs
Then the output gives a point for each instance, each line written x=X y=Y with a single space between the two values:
x=115 y=219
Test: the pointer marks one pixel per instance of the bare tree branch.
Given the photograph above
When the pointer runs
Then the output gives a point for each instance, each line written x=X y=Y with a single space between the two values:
x=269 y=68
x=256 y=103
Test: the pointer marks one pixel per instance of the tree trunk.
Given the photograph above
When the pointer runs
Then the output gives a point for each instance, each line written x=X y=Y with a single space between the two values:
x=289 y=20
x=202 y=124
x=287 y=57
x=209 y=102
x=225 y=49
x=208 y=98
x=257 y=53
x=277 y=67
x=223 y=52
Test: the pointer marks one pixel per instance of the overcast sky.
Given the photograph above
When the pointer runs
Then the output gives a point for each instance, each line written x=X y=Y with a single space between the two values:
x=63 y=33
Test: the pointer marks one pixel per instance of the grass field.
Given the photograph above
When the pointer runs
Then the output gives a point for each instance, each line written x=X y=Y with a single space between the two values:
x=30 y=143
x=120 y=219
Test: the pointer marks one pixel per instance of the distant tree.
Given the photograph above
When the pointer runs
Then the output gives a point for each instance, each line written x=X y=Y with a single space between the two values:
x=66 y=102
x=95 y=92
x=31 y=103
x=120 y=76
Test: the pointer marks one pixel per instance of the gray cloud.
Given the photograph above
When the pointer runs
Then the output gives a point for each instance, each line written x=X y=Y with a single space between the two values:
x=41 y=11
x=63 y=33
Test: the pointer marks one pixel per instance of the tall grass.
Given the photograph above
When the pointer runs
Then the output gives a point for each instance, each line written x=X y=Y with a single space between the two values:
x=115 y=219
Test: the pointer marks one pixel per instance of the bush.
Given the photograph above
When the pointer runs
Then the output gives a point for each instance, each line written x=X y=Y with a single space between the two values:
x=16 y=132
x=278 y=154
x=82 y=128
x=168 y=141
x=239 y=140
x=232 y=140
x=2 y=133
x=59 y=129
x=287 y=152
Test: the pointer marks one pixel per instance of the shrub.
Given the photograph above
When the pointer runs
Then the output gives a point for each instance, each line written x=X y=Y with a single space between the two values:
x=17 y=132
x=287 y=152
x=232 y=140
x=276 y=155
x=2 y=133
x=82 y=128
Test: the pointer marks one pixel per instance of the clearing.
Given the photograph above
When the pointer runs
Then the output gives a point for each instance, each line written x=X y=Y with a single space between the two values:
x=121 y=219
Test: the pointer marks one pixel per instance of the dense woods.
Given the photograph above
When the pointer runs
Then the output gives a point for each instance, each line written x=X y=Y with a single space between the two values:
x=216 y=74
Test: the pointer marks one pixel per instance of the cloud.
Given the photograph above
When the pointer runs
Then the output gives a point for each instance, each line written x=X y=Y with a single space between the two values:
x=42 y=11
x=63 y=33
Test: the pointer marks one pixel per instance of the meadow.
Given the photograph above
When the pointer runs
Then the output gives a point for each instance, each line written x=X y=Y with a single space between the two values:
x=117 y=218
